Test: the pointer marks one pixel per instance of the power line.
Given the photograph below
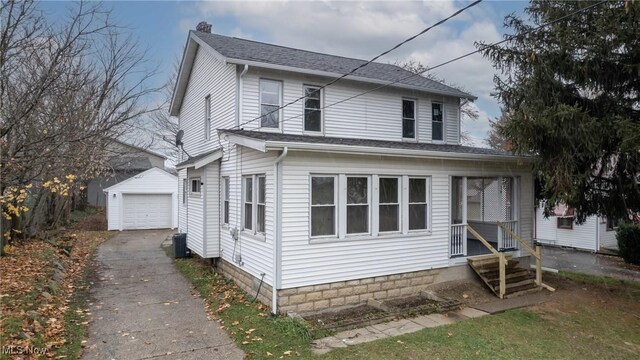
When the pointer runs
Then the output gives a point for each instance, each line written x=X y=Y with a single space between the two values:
x=366 y=63
x=509 y=38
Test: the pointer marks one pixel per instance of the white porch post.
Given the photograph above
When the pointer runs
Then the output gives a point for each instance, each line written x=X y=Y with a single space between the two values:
x=464 y=215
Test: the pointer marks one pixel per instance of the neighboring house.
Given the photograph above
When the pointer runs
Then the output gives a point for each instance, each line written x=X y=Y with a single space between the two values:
x=123 y=161
x=148 y=200
x=595 y=234
x=331 y=206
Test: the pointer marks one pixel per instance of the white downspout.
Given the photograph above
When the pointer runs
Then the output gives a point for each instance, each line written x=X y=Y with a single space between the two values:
x=240 y=95
x=277 y=229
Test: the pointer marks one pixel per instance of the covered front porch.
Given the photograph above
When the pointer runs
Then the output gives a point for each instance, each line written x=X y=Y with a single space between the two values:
x=483 y=208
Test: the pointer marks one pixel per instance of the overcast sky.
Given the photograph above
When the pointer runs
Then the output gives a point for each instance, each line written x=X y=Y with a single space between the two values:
x=360 y=29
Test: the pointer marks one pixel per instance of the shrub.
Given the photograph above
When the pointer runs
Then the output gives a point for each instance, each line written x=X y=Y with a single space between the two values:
x=628 y=236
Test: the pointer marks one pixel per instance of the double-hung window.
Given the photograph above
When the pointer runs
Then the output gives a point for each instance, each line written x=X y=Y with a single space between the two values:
x=388 y=204
x=437 y=123
x=207 y=117
x=254 y=197
x=247 y=183
x=225 y=199
x=418 y=203
x=323 y=205
x=408 y=119
x=357 y=204
x=312 y=109
x=270 y=102
x=261 y=205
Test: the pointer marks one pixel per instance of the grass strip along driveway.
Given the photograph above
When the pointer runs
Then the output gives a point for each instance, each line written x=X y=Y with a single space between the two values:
x=589 y=317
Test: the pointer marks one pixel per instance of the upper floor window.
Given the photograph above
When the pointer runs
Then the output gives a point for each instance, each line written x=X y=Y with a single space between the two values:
x=437 y=127
x=312 y=109
x=270 y=102
x=408 y=119
x=207 y=117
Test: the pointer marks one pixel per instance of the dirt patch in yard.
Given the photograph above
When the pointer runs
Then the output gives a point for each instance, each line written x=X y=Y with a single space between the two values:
x=347 y=318
x=94 y=219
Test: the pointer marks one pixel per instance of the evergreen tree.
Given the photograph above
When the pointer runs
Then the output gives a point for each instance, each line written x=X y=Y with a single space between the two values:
x=572 y=92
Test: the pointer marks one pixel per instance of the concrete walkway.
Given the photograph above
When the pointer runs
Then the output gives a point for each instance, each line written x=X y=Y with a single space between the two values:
x=588 y=263
x=142 y=307
x=392 y=328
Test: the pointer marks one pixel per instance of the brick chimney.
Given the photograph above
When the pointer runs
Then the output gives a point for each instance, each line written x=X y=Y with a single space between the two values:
x=204 y=26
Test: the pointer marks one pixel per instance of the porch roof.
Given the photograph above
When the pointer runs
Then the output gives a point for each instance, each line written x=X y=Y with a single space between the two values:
x=265 y=141
x=201 y=160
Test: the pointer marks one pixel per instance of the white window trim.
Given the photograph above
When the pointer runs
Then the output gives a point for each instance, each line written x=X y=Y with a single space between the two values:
x=207 y=117
x=225 y=192
x=340 y=203
x=304 y=109
x=429 y=203
x=444 y=117
x=280 y=99
x=415 y=120
x=195 y=193
x=258 y=203
x=253 y=232
x=185 y=191
x=346 y=205
x=335 y=206
x=376 y=218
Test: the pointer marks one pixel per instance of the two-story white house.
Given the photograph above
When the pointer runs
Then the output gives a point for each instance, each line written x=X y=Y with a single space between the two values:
x=348 y=194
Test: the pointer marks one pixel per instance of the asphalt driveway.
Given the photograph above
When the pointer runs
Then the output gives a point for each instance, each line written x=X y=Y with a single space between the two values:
x=142 y=307
x=588 y=263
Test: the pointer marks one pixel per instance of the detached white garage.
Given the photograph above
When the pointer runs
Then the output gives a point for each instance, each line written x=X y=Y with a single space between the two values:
x=148 y=200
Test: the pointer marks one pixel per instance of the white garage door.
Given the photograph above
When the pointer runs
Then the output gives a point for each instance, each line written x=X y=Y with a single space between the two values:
x=146 y=211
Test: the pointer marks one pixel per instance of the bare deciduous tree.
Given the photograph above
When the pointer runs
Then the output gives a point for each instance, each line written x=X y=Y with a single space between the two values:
x=66 y=91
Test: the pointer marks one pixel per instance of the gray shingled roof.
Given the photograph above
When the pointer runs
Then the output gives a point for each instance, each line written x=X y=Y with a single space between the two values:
x=243 y=49
x=192 y=160
x=270 y=136
x=129 y=163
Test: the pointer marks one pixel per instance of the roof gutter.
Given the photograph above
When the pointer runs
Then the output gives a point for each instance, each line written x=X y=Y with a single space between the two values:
x=367 y=150
x=277 y=240
x=350 y=77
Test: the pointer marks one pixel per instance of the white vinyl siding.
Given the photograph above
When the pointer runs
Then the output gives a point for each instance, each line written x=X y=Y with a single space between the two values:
x=209 y=77
x=582 y=236
x=212 y=211
x=307 y=261
x=153 y=181
x=376 y=115
x=255 y=251
x=195 y=215
x=183 y=187
x=207 y=117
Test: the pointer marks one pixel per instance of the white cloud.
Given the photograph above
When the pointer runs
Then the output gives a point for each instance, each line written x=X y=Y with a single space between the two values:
x=363 y=29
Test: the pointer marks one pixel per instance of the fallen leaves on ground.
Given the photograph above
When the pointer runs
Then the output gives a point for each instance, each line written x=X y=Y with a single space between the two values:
x=38 y=279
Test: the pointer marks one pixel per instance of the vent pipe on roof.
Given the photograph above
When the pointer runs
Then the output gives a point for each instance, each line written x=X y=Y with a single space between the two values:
x=204 y=26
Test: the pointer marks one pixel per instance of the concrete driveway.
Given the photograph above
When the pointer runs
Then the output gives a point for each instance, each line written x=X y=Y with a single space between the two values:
x=142 y=307
x=588 y=263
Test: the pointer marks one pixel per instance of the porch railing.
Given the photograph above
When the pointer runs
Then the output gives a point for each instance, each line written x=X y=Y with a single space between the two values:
x=458 y=239
x=506 y=232
x=537 y=254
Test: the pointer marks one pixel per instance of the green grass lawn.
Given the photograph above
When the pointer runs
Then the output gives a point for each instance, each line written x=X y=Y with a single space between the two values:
x=591 y=318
